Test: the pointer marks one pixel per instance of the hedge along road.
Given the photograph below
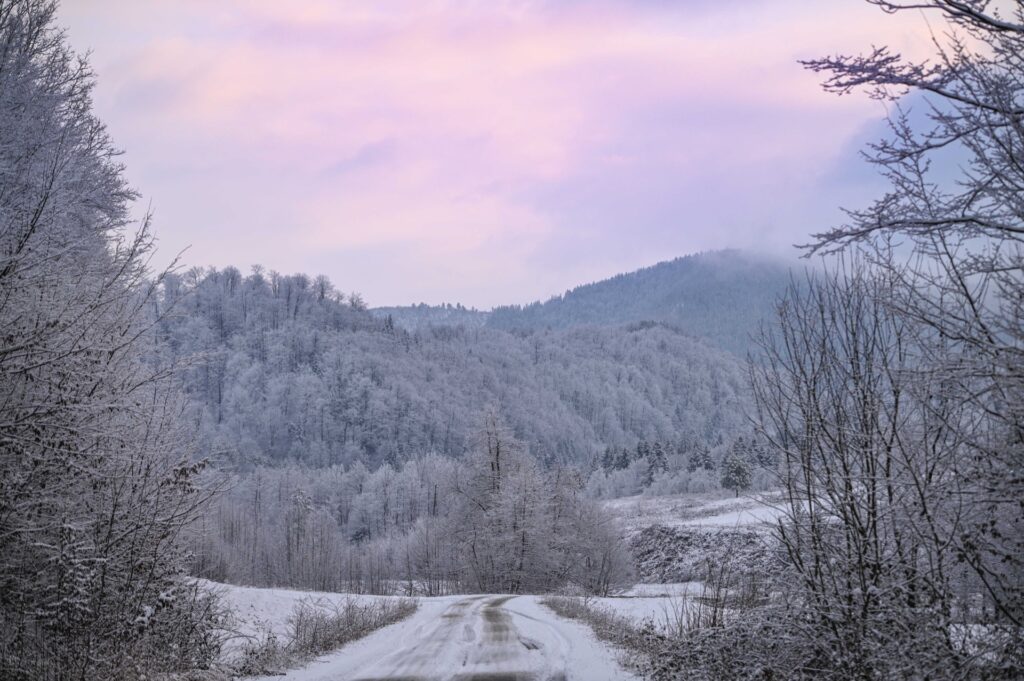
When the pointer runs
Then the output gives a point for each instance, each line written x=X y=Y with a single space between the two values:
x=472 y=638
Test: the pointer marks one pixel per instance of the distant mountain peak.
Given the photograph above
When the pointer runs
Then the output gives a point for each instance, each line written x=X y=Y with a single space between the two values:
x=721 y=296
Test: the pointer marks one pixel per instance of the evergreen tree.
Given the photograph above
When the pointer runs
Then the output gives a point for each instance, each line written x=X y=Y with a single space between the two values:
x=647 y=474
x=608 y=459
x=622 y=463
x=762 y=456
x=658 y=460
x=736 y=474
x=700 y=457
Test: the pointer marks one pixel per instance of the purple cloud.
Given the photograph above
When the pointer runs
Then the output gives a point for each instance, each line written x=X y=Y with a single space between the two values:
x=480 y=152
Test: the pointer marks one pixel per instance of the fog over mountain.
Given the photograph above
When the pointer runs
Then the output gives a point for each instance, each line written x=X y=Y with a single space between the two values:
x=721 y=296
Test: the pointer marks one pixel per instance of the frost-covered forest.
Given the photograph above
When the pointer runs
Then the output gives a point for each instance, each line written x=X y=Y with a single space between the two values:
x=836 y=493
x=292 y=371
x=346 y=434
x=496 y=521
x=421 y=315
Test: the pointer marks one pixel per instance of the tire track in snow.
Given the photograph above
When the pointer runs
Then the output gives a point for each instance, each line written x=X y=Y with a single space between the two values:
x=474 y=638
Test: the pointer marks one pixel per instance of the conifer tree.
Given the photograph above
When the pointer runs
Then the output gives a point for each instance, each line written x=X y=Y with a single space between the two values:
x=736 y=473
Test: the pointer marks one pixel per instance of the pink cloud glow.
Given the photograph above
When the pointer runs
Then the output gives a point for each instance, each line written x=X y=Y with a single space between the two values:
x=485 y=152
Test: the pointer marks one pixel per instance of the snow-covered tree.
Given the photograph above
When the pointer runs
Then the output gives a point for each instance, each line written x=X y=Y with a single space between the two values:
x=736 y=473
x=96 y=480
x=289 y=373
x=949 y=233
x=495 y=520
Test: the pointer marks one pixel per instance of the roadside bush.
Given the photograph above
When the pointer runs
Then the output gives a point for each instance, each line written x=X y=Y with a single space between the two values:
x=317 y=628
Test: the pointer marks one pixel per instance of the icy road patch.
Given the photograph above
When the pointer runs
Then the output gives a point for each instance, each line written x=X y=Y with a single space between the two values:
x=472 y=638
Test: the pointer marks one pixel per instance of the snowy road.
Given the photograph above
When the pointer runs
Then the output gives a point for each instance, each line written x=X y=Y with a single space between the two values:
x=472 y=638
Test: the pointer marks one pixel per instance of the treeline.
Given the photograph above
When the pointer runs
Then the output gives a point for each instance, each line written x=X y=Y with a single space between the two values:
x=492 y=521
x=684 y=465
x=291 y=371
x=719 y=296
x=423 y=316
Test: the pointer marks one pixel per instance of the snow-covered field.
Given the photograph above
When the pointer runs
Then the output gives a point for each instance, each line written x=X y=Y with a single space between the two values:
x=696 y=510
x=699 y=522
x=449 y=637
x=659 y=604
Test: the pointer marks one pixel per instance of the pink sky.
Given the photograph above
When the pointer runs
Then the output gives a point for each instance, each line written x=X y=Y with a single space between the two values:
x=482 y=152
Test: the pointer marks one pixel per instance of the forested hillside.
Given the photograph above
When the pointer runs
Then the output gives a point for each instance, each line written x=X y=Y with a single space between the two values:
x=721 y=296
x=285 y=369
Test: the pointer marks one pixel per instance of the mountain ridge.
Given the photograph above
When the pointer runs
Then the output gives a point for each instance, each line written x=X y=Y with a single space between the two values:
x=720 y=296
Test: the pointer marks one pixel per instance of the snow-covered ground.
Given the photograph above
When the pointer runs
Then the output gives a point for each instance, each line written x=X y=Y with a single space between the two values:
x=756 y=513
x=450 y=637
x=703 y=510
x=698 y=522
x=475 y=637
x=259 y=611
x=659 y=604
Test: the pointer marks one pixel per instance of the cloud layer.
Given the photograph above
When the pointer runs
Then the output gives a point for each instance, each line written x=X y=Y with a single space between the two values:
x=480 y=151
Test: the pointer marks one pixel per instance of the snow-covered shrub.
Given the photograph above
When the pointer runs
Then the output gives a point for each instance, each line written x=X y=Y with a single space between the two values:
x=702 y=481
x=183 y=630
x=316 y=628
x=684 y=554
x=671 y=482
x=701 y=644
